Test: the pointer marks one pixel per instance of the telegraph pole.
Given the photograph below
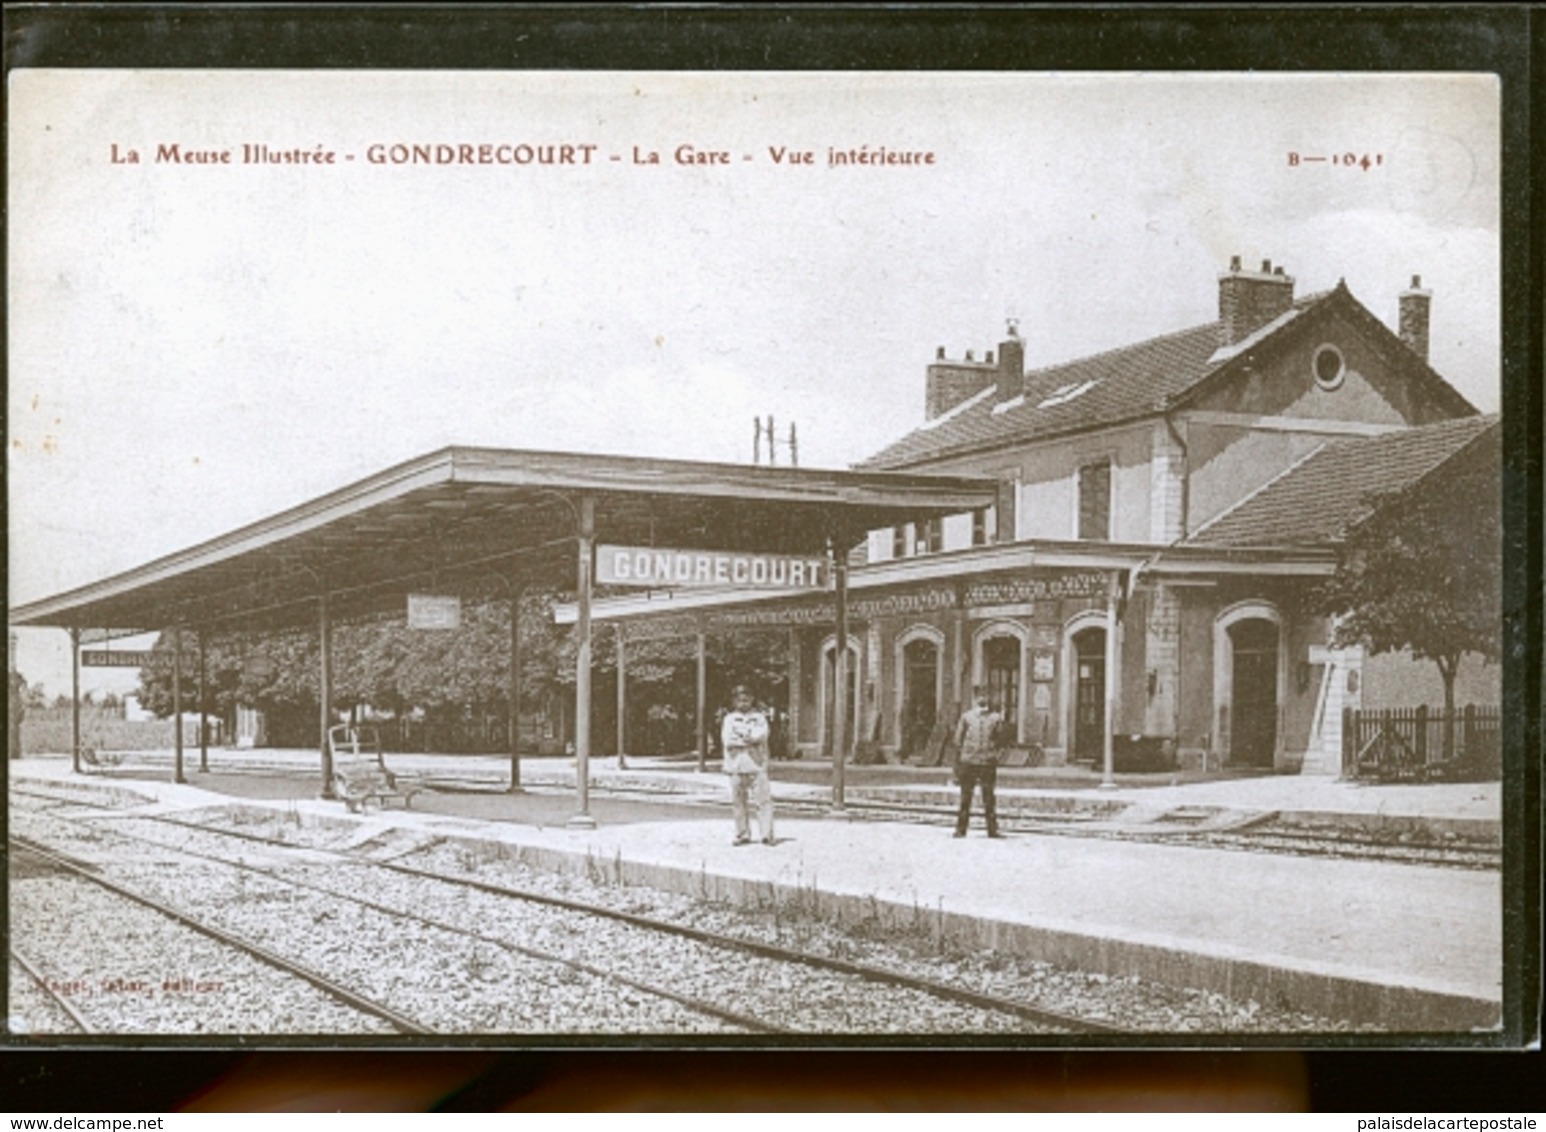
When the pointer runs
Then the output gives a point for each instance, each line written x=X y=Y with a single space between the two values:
x=768 y=429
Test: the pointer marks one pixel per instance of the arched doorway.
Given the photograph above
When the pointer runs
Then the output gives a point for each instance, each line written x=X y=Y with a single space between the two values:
x=1000 y=654
x=1249 y=683
x=918 y=703
x=1001 y=673
x=1254 y=692
x=826 y=693
x=1088 y=741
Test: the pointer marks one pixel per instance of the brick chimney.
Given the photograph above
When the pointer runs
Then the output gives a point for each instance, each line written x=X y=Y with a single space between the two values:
x=1249 y=300
x=951 y=382
x=1413 y=325
x=1011 y=364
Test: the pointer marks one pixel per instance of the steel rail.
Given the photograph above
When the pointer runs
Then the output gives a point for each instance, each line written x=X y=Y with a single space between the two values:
x=865 y=971
x=365 y=1005
x=42 y=984
x=745 y=1021
x=1303 y=843
x=1296 y=843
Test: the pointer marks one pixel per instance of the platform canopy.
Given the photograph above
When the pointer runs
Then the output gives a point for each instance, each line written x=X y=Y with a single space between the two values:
x=444 y=520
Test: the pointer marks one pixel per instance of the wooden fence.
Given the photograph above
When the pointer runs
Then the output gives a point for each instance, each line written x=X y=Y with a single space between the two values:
x=1408 y=744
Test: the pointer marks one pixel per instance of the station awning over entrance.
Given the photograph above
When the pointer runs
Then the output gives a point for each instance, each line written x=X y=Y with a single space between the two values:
x=445 y=519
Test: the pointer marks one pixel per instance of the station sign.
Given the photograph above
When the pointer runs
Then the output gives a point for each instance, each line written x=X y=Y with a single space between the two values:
x=115 y=658
x=1040 y=586
x=434 y=611
x=708 y=569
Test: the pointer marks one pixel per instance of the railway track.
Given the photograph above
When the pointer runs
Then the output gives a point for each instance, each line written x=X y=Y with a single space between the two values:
x=82 y=870
x=868 y=972
x=51 y=991
x=395 y=1017
x=694 y=949
x=1267 y=838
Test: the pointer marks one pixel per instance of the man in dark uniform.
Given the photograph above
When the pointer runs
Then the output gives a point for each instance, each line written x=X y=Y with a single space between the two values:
x=977 y=754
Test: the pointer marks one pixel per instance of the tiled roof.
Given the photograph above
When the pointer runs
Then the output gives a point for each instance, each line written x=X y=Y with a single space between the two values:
x=1100 y=389
x=1317 y=499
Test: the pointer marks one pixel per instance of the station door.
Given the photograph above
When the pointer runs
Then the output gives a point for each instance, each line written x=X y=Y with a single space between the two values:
x=1090 y=694
x=1254 y=707
x=920 y=694
x=1001 y=664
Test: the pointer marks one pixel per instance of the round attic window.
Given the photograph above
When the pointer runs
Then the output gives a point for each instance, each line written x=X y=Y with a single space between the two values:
x=1329 y=367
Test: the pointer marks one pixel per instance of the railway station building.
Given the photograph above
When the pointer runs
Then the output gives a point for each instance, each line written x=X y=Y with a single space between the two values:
x=1164 y=513
x=1124 y=549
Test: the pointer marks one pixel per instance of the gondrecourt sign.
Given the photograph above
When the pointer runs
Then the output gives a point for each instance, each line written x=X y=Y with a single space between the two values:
x=654 y=566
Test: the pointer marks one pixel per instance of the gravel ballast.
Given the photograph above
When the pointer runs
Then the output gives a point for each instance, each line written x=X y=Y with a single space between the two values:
x=130 y=970
x=458 y=984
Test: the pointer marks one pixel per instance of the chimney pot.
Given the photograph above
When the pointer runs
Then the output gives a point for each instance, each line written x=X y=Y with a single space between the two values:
x=1414 y=307
x=1266 y=267
x=1011 y=365
x=969 y=356
x=939 y=354
x=988 y=358
x=1234 y=263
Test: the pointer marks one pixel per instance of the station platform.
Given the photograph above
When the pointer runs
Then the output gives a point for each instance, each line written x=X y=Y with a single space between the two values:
x=1413 y=948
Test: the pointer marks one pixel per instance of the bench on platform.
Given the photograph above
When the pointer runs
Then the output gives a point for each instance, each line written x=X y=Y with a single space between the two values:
x=360 y=772
x=100 y=760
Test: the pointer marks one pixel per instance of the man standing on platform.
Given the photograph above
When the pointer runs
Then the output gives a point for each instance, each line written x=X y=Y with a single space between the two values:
x=744 y=741
x=977 y=756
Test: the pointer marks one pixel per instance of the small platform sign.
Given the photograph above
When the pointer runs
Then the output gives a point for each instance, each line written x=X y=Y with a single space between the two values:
x=115 y=658
x=434 y=611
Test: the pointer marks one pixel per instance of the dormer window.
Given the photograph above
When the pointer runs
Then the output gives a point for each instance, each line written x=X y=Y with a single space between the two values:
x=1065 y=393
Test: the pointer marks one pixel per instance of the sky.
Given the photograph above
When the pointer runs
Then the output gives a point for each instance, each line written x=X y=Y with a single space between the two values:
x=193 y=346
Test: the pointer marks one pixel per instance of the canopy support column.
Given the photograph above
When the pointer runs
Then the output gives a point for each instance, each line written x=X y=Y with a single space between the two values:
x=792 y=683
x=75 y=700
x=177 y=705
x=582 y=661
x=516 y=594
x=703 y=702
x=325 y=691
x=622 y=697
x=840 y=677
x=1113 y=682
x=203 y=719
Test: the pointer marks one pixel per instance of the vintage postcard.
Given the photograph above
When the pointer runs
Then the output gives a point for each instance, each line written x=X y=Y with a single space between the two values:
x=595 y=556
